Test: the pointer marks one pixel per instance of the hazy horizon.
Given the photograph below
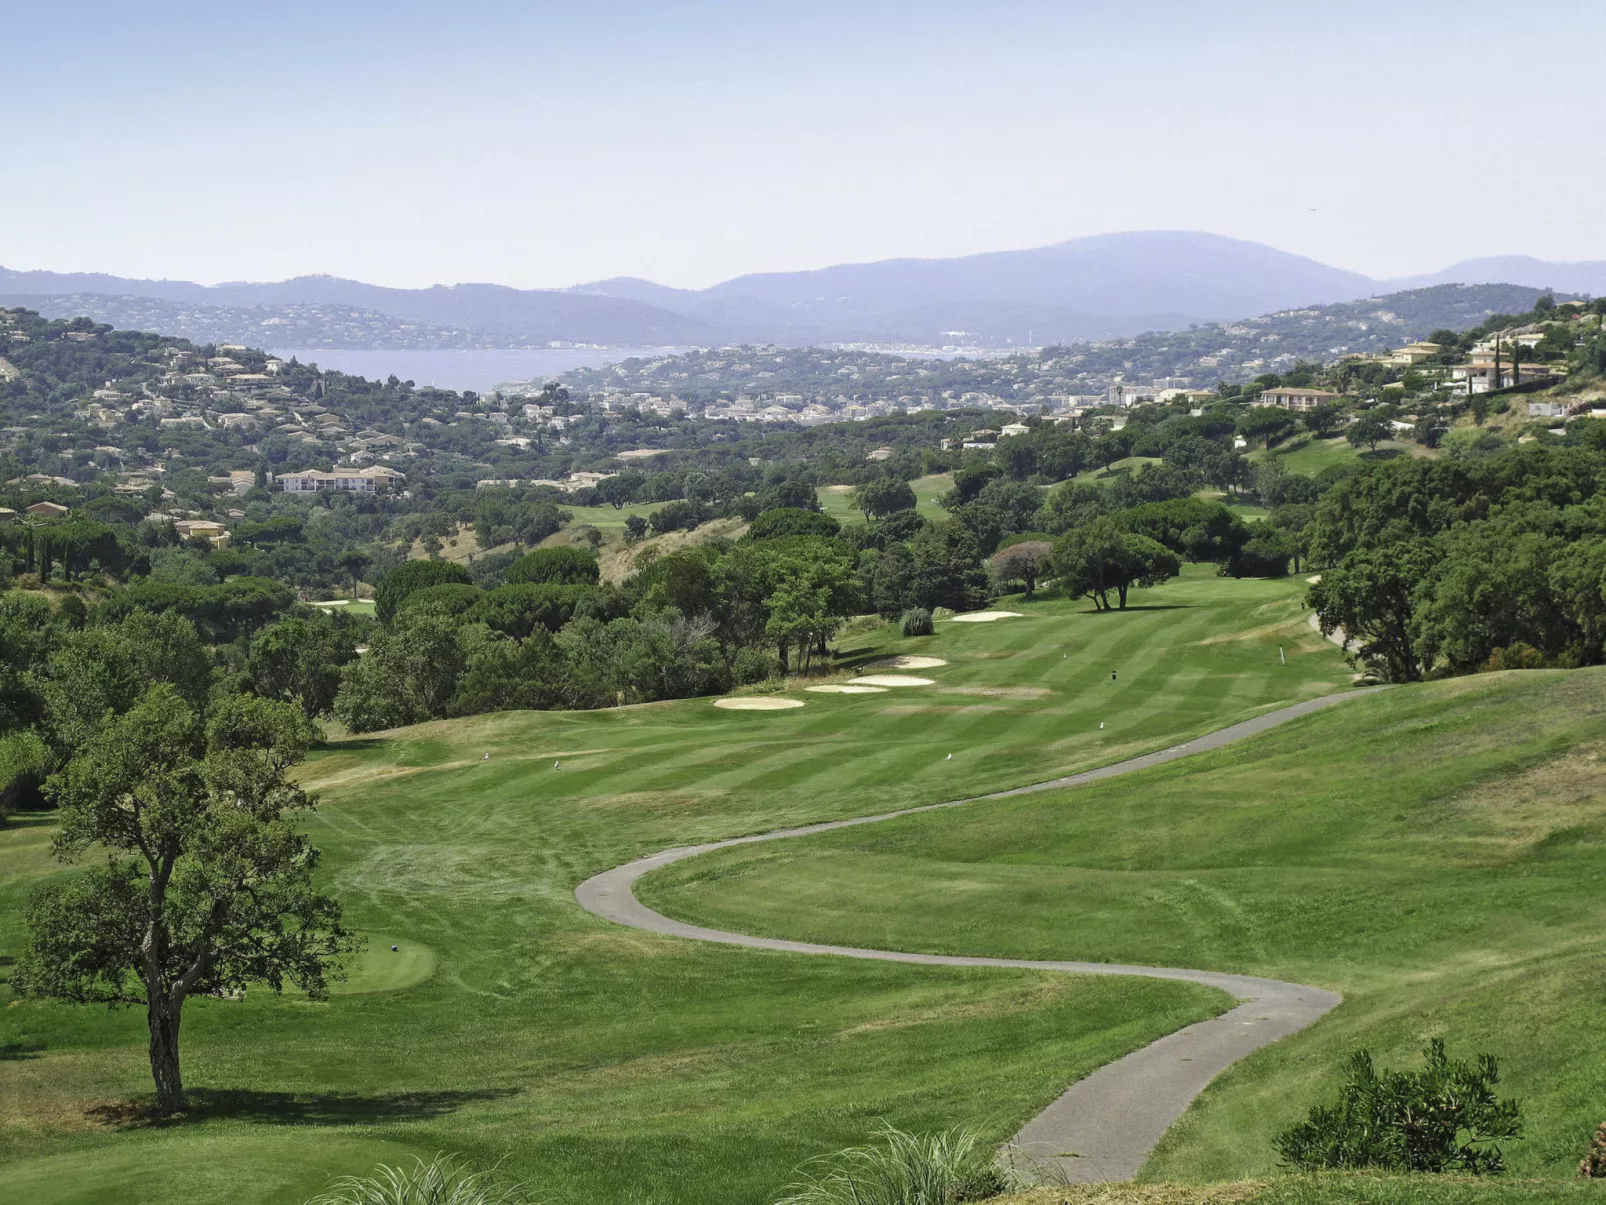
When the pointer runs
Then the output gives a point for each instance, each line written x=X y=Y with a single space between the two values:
x=541 y=147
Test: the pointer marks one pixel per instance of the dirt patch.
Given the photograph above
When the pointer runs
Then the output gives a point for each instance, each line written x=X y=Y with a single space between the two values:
x=892 y=680
x=758 y=704
x=1562 y=801
x=986 y=616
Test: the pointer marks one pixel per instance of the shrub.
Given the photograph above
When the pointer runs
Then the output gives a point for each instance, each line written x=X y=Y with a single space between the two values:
x=559 y=566
x=1594 y=1165
x=1444 y=1118
x=751 y=665
x=414 y=575
x=679 y=515
x=903 y=1169
x=1516 y=655
x=449 y=598
x=916 y=622
x=441 y=1181
x=792 y=521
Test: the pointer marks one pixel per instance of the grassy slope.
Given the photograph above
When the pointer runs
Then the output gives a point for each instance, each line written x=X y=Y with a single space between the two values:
x=1437 y=853
x=614 y=1065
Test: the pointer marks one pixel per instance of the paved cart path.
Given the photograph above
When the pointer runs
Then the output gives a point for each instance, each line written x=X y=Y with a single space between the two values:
x=1104 y=1126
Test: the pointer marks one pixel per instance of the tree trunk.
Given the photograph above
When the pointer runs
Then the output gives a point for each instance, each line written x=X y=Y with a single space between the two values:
x=163 y=1017
x=1121 y=590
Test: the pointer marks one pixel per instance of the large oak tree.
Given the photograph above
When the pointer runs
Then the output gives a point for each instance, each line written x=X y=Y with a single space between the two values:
x=206 y=886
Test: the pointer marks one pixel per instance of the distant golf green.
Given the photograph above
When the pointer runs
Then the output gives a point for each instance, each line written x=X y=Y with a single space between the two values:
x=1308 y=456
x=837 y=500
x=1437 y=853
x=607 y=1065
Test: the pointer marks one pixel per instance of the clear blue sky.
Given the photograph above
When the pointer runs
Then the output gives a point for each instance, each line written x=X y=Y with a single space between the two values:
x=542 y=145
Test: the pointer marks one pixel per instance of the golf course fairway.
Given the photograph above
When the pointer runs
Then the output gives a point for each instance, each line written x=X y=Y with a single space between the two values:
x=615 y=1066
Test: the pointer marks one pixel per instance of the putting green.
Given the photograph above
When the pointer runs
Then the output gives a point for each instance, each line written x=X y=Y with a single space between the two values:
x=380 y=969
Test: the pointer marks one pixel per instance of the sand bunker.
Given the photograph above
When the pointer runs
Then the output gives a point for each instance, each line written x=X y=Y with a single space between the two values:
x=986 y=616
x=758 y=704
x=891 y=680
x=848 y=688
x=906 y=662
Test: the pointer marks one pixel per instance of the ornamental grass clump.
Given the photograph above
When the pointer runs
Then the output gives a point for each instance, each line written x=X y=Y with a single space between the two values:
x=947 y=1168
x=1444 y=1118
x=442 y=1181
x=916 y=622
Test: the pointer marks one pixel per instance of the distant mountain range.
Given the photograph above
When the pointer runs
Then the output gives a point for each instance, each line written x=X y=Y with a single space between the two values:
x=1090 y=288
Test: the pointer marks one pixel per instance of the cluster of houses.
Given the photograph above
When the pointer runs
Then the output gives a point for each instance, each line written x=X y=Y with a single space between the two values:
x=206 y=529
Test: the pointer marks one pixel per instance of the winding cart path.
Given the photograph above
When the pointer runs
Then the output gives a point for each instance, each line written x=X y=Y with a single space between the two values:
x=1103 y=1127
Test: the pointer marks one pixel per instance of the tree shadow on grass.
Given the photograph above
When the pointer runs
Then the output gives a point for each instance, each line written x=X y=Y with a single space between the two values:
x=295 y=1108
x=1127 y=610
x=11 y=1052
x=353 y=744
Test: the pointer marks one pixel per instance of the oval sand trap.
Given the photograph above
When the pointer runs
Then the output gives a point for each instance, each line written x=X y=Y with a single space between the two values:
x=758 y=704
x=906 y=662
x=847 y=688
x=892 y=680
x=986 y=616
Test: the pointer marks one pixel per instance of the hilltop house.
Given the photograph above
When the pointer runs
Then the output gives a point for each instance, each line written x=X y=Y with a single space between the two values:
x=205 y=529
x=47 y=510
x=356 y=481
x=1297 y=399
x=1411 y=355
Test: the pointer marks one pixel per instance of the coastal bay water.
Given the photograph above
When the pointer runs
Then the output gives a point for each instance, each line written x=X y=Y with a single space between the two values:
x=479 y=369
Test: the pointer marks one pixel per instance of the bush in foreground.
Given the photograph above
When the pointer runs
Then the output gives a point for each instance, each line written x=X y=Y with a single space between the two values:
x=1594 y=1165
x=1444 y=1118
x=441 y=1181
x=916 y=622
x=903 y=1169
